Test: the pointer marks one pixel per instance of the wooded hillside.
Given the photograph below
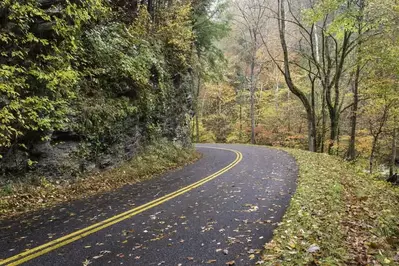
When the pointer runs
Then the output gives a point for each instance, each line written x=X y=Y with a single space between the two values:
x=85 y=84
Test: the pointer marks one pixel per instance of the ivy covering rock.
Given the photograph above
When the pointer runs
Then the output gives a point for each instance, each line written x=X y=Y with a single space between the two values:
x=85 y=84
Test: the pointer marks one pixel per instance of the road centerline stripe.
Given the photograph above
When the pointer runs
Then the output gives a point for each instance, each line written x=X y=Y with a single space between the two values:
x=79 y=234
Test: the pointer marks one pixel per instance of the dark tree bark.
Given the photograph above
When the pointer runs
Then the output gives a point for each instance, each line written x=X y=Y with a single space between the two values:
x=355 y=89
x=393 y=154
x=376 y=134
x=352 y=143
x=288 y=79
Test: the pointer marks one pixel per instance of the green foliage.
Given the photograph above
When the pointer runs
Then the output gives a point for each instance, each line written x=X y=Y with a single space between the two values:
x=219 y=111
x=37 y=80
x=206 y=136
x=79 y=67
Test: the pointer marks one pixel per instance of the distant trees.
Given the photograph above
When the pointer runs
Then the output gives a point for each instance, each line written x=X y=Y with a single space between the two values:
x=337 y=60
x=209 y=26
x=250 y=20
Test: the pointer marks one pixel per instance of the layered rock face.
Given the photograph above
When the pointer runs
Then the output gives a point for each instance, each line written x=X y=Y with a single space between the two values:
x=115 y=105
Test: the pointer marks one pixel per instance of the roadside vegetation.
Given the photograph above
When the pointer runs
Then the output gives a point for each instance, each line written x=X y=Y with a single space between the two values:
x=20 y=196
x=339 y=215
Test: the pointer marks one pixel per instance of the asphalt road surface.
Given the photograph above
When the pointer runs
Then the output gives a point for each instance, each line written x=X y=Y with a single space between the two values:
x=220 y=210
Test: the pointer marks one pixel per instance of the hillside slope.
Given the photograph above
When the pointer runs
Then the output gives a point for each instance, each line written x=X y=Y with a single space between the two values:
x=338 y=216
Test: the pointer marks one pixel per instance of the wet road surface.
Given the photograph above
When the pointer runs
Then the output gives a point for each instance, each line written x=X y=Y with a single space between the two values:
x=224 y=221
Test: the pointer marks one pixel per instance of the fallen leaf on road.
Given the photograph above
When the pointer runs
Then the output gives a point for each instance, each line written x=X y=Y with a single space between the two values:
x=86 y=262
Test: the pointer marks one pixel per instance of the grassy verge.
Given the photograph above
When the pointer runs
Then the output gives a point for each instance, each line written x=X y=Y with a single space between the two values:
x=338 y=216
x=21 y=197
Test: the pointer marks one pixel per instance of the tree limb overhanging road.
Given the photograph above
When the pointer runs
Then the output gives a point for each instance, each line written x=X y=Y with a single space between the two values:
x=221 y=209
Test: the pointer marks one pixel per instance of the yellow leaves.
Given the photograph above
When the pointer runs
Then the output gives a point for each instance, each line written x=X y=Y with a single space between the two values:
x=387 y=261
x=333 y=212
x=291 y=244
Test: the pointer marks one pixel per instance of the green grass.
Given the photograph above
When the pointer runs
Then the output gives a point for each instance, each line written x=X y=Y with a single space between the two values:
x=352 y=218
x=21 y=197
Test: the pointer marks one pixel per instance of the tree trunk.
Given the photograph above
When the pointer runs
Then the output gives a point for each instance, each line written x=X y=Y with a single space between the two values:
x=312 y=132
x=333 y=131
x=197 y=111
x=338 y=139
x=393 y=155
x=289 y=110
x=324 y=121
x=289 y=81
x=372 y=154
x=276 y=90
x=253 y=90
x=352 y=143
x=240 y=121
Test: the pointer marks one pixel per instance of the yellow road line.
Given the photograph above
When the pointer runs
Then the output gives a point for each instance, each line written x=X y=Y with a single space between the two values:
x=62 y=241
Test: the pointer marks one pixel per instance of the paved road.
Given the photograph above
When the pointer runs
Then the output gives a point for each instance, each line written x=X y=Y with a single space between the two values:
x=227 y=218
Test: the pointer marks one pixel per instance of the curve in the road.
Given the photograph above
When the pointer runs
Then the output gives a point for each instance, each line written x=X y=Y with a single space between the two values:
x=72 y=237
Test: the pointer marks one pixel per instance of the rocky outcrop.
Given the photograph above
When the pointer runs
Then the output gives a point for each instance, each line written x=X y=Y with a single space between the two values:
x=66 y=155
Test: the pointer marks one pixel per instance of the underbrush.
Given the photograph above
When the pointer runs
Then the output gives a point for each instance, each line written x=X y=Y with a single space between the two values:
x=338 y=216
x=23 y=196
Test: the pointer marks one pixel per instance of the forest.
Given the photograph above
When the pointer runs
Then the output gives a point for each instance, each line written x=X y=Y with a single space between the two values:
x=196 y=132
x=315 y=75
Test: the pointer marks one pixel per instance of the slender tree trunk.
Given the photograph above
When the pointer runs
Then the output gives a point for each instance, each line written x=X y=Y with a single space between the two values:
x=313 y=139
x=334 y=120
x=312 y=132
x=197 y=111
x=240 y=121
x=290 y=83
x=253 y=90
x=323 y=122
x=352 y=143
x=372 y=154
x=277 y=89
x=338 y=139
x=377 y=134
x=289 y=110
x=393 y=155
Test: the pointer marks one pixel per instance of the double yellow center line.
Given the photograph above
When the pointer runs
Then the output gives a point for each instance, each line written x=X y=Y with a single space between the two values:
x=65 y=240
